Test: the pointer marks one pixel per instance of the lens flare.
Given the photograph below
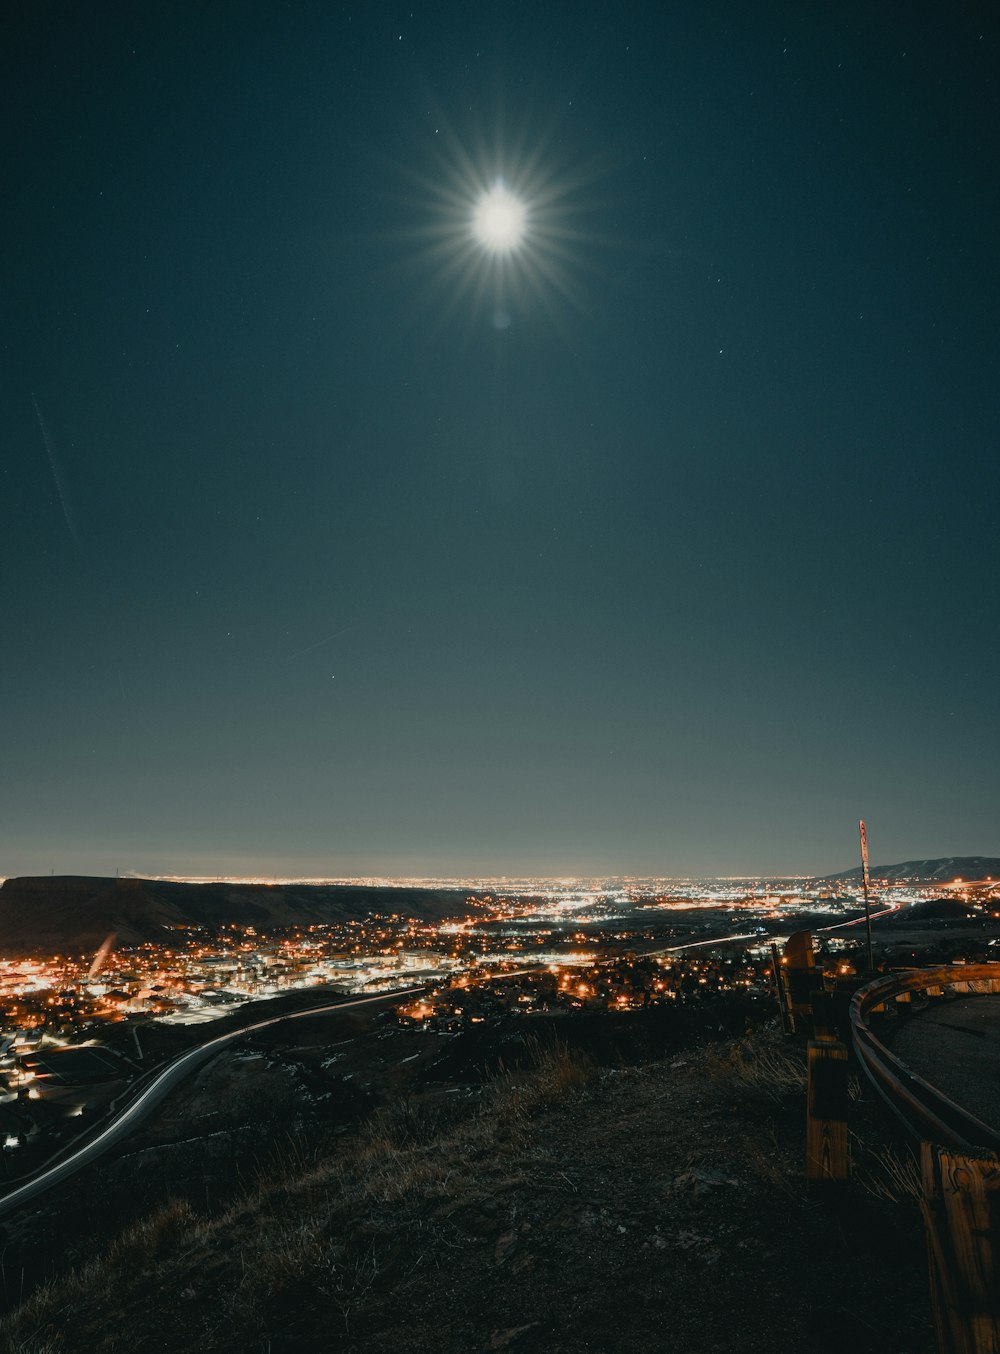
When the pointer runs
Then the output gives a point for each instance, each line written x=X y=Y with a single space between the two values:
x=498 y=220
x=497 y=226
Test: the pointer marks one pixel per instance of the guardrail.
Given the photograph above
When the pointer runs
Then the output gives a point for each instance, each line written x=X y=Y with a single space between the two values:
x=924 y=1110
x=959 y=1161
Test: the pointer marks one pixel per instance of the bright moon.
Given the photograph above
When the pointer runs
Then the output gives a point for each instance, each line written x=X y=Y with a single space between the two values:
x=498 y=220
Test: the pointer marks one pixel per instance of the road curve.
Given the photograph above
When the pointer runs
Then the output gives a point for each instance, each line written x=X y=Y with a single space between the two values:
x=925 y=1110
x=129 y=1118
x=956 y=1047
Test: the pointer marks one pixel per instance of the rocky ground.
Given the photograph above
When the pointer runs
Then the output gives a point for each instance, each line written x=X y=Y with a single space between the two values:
x=564 y=1207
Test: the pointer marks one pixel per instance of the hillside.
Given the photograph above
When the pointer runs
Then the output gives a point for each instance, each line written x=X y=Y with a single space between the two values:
x=942 y=870
x=74 y=913
x=934 y=909
x=567 y=1208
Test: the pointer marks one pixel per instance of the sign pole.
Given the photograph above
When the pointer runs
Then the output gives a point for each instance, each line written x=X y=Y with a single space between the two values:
x=864 y=885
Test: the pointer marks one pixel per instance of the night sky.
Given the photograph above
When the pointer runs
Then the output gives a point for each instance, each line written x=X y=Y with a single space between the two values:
x=334 y=544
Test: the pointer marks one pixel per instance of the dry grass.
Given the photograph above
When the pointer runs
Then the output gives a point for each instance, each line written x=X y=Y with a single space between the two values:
x=888 y=1173
x=760 y=1062
x=555 y=1074
x=138 y=1249
x=413 y=1121
x=33 y=1345
x=305 y=1222
x=764 y=1160
x=422 y=1229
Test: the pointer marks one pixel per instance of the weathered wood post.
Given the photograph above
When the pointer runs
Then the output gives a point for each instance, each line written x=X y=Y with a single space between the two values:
x=826 y=1111
x=961 y=1208
x=799 y=964
x=824 y=1015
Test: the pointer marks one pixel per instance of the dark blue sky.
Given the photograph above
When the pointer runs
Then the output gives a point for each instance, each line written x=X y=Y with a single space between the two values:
x=667 y=545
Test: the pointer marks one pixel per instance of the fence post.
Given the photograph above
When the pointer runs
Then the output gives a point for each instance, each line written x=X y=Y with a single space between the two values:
x=800 y=978
x=826 y=1111
x=961 y=1208
x=824 y=1015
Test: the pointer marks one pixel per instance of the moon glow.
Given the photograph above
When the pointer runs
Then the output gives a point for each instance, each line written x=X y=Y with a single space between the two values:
x=498 y=220
x=498 y=228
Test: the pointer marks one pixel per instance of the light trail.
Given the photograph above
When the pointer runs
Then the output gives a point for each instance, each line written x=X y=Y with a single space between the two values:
x=158 y=1088
x=171 y=1076
x=716 y=940
x=859 y=921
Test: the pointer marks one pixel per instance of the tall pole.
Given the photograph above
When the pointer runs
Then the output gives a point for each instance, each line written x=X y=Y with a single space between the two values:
x=779 y=989
x=864 y=885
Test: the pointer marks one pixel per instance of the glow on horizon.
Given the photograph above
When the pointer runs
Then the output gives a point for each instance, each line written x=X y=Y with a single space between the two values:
x=554 y=886
x=555 y=883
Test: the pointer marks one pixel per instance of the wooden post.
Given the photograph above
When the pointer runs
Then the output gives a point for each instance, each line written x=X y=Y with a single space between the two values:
x=824 y=1017
x=800 y=978
x=826 y=1111
x=961 y=1208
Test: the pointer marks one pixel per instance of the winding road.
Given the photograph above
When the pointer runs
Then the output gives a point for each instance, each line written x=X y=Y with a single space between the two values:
x=126 y=1120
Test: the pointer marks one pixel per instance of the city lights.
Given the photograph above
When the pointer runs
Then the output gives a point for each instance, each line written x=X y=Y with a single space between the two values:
x=511 y=946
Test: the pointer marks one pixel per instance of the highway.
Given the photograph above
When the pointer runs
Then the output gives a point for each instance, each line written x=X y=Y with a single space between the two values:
x=715 y=940
x=138 y=1109
x=765 y=938
x=126 y=1120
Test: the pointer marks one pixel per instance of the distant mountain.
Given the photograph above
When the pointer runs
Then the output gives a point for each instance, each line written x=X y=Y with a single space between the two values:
x=943 y=870
x=72 y=914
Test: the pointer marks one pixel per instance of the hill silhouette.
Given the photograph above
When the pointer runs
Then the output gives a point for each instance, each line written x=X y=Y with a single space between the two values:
x=941 y=870
x=74 y=913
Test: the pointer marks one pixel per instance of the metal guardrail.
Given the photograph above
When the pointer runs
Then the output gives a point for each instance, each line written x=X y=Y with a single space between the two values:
x=925 y=1111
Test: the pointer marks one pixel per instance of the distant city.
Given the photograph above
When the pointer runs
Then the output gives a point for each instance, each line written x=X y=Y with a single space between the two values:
x=194 y=975
x=77 y=1027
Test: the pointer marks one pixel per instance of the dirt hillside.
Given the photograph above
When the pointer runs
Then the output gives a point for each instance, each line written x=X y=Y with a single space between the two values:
x=654 y=1208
